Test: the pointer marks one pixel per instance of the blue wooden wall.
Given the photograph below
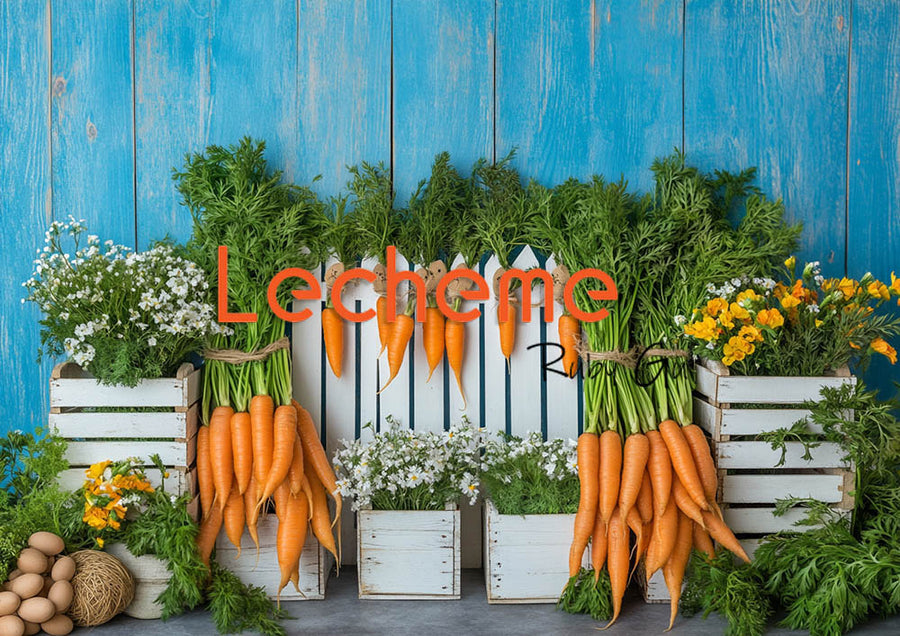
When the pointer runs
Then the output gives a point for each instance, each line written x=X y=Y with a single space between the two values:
x=99 y=99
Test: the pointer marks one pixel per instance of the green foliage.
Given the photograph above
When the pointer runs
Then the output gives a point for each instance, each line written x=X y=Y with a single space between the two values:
x=433 y=209
x=376 y=220
x=29 y=462
x=582 y=595
x=236 y=607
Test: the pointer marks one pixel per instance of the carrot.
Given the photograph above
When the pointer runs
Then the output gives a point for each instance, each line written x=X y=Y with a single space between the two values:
x=295 y=472
x=723 y=534
x=644 y=543
x=433 y=338
x=400 y=334
x=683 y=461
x=507 y=333
x=588 y=465
x=454 y=342
x=384 y=327
x=209 y=530
x=242 y=449
x=617 y=562
x=333 y=335
x=706 y=468
x=665 y=533
x=290 y=538
x=673 y=570
x=317 y=458
x=635 y=523
x=262 y=410
x=307 y=492
x=280 y=497
x=284 y=434
x=234 y=518
x=220 y=453
x=598 y=546
x=569 y=333
x=250 y=497
x=685 y=504
x=204 y=471
x=610 y=472
x=634 y=466
x=645 y=498
x=660 y=468
x=321 y=524
x=702 y=542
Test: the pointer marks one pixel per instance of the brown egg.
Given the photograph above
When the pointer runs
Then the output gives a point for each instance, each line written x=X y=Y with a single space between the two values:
x=9 y=603
x=11 y=626
x=31 y=628
x=63 y=569
x=32 y=560
x=61 y=594
x=37 y=610
x=27 y=585
x=59 y=625
x=47 y=542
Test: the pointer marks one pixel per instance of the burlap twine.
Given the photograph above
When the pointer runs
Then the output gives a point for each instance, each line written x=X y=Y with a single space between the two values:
x=236 y=356
x=628 y=359
x=102 y=587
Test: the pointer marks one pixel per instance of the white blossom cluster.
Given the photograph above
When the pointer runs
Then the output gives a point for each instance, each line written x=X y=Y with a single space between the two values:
x=403 y=469
x=557 y=458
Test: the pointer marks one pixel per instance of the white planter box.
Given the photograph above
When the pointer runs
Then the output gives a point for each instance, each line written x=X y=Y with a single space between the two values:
x=315 y=563
x=526 y=557
x=96 y=436
x=408 y=554
x=151 y=577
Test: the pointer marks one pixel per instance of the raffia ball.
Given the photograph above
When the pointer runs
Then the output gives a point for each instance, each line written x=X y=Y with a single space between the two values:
x=102 y=587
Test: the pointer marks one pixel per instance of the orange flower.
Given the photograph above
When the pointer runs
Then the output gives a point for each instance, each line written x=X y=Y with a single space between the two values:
x=770 y=318
x=879 y=290
x=879 y=345
x=789 y=302
x=716 y=305
x=738 y=312
x=750 y=333
x=848 y=287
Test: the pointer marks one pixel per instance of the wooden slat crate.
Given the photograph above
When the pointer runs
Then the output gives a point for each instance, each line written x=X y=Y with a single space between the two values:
x=316 y=563
x=77 y=403
x=412 y=555
x=526 y=557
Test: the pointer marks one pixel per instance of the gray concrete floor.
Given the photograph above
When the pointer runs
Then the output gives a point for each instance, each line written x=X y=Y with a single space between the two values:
x=343 y=614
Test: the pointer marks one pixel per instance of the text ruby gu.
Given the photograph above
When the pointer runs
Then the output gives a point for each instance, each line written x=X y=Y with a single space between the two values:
x=480 y=292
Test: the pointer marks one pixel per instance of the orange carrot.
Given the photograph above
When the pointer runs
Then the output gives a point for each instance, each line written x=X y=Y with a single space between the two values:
x=507 y=333
x=665 y=533
x=703 y=460
x=610 y=472
x=598 y=546
x=635 y=523
x=262 y=410
x=569 y=333
x=209 y=530
x=660 y=468
x=401 y=332
x=673 y=570
x=234 y=518
x=242 y=449
x=588 y=465
x=454 y=342
x=283 y=446
x=295 y=473
x=702 y=542
x=220 y=453
x=333 y=335
x=251 y=495
x=290 y=538
x=617 y=561
x=280 y=497
x=644 y=543
x=384 y=327
x=321 y=524
x=645 y=498
x=433 y=338
x=316 y=458
x=634 y=466
x=723 y=534
x=683 y=461
x=307 y=492
x=204 y=471
x=685 y=504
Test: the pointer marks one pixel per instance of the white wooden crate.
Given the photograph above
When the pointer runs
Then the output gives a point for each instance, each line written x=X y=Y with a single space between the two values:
x=412 y=555
x=315 y=562
x=97 y=436
x=526 y=557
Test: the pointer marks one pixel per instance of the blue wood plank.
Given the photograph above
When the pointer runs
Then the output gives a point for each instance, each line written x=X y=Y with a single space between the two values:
x=873 y=233
x=343 y=84
x=24 y=206
x=766 y=86
x=92 y=116
x=172 y=110
x=588 y=87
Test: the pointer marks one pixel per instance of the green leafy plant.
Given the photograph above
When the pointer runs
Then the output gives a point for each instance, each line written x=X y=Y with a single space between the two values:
x=583 y=595
x=236 y=607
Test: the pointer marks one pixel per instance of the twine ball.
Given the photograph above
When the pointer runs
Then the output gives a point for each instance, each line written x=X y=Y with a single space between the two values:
x=103 y=587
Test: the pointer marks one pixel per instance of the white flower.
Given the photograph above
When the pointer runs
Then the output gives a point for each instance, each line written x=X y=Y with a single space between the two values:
x=151 y=341
x=680 y=320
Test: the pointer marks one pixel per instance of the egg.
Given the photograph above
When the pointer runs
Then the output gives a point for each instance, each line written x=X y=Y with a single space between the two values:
x=32 y=560
x=31 y=628
x=11 y=626
x=46 y=542
x=37 y=609
x=9 y=603
x=59 y=625
x=27 y=585
x=63 y=569
x=61 y=594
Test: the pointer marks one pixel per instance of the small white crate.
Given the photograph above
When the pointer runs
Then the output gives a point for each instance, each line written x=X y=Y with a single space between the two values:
x=315 y=563
x=409 y=554
x=170 y=431
x=526 y=557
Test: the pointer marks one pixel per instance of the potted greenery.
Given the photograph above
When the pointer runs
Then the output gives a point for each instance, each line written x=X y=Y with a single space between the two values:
x=405 y=485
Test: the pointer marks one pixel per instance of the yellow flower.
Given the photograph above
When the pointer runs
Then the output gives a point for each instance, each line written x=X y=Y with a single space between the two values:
x=770 y=318
x=789 y=302
x=879 y=345
x=750 y=334
x=791 y=263
x=895 y=284
x=848 y=287
x=96 y=470
x=736 y=349
x=95 y=517
x=100 y=542
x=819 y=323
x=747 y=294
x=726 y=319
x=705 y=329
x=739 y=312
x=879 y=290
x=716 y=305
